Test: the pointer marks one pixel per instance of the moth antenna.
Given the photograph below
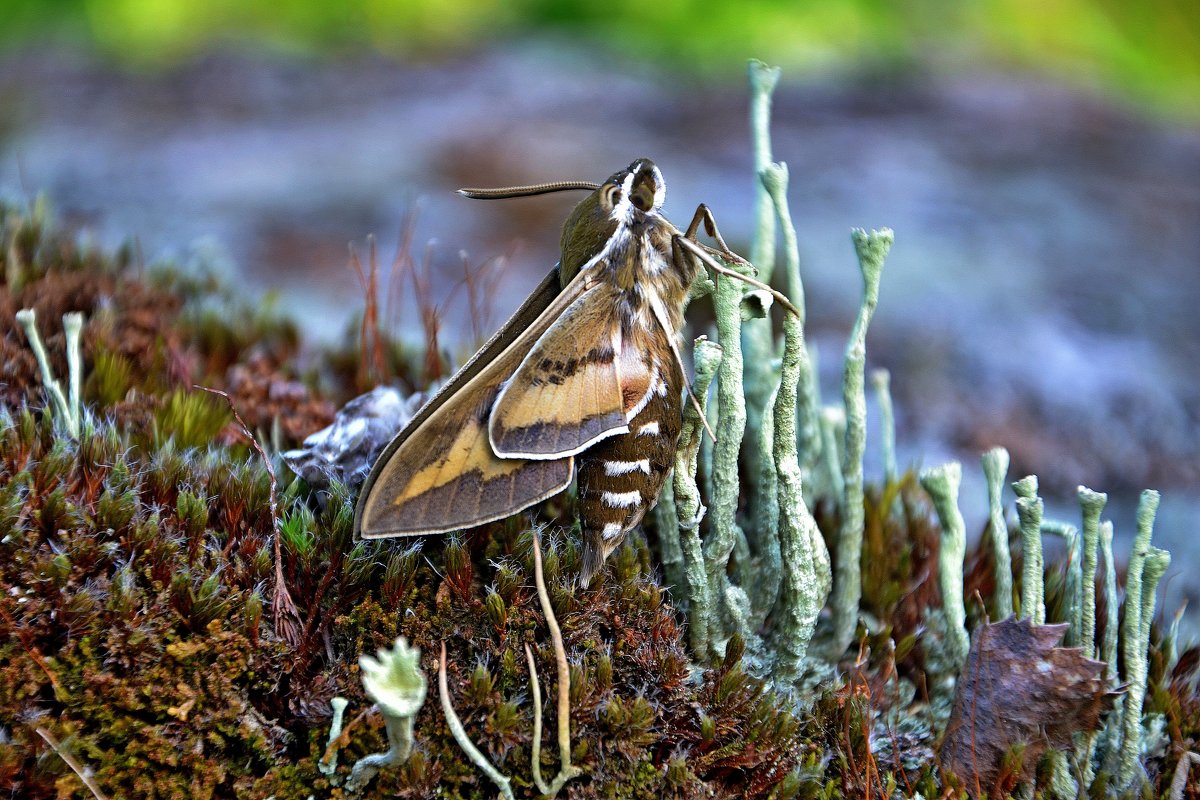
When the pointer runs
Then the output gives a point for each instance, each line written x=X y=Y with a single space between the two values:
x=712 y=263
x=506 y=192
x=661 y=315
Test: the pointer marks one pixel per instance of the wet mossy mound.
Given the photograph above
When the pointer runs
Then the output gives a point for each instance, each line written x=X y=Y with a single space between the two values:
x=137 y=601
x=142 y=643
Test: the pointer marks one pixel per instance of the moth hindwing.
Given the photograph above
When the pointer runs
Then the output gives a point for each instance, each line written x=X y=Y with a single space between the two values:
x=583 y=375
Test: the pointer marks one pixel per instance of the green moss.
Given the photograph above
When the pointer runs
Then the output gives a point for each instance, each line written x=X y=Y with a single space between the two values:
x=190 y=419
x=110 y=380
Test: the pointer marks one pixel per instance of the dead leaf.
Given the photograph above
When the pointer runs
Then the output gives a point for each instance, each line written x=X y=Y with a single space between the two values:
x=1018 y=696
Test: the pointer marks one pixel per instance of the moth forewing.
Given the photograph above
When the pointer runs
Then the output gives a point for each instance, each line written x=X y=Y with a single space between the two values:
x=444 y=475
x=432 y=477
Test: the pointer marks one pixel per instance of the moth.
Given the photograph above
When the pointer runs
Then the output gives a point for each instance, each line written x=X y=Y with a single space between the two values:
x=584 y=380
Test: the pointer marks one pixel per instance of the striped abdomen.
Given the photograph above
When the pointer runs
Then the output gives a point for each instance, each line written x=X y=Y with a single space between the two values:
x=620 y=477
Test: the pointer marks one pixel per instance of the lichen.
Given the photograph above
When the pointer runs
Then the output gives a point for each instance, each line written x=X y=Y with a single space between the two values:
x=872 y=250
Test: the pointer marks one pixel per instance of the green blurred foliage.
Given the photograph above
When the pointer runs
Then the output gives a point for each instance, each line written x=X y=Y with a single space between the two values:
x=1148 y=50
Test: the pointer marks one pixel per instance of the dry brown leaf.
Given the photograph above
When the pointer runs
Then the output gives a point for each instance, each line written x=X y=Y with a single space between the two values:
x=1019 y=689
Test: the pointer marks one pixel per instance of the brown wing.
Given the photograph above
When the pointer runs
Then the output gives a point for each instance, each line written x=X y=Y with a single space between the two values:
x=439 y=473
x=566 y=395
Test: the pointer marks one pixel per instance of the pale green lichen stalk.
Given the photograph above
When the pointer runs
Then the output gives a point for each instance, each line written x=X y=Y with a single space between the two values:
x=328 y=765
x=1143 y=573
x=706 y=358
x=395 y=683
x=774 y=181
x=872 y=250
x=756 y=305
x=774 y=178
x=1157 y=562
x=995 y=469
x=1029 y=511
x=942 y=484
x=1108 y=649
x=1063 y=785
x=1091 y=505
x=765 y=587
x=757 y=338
x=73 y=328
x=67 y=408
x=806 y=571
x=763 y=80
x=731 y=426
x=881 y=381
x=1073 y=590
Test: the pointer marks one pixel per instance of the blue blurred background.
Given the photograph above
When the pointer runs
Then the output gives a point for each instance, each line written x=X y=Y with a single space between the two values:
x=1040 y=163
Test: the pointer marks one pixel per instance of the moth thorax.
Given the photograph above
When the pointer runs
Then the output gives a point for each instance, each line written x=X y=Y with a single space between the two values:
x=585 y=233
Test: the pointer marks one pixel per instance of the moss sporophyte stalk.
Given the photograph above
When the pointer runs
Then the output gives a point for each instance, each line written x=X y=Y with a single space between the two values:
x=810 y=633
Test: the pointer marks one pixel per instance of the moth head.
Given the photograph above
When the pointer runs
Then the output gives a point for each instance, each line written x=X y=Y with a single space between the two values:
x=636 y=190
x=622 y=199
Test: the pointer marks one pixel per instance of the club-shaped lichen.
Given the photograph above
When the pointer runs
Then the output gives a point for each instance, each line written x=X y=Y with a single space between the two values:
x=394 y=681
x=872 y=249
x=758 y=340
x=995 y=469
x=1091 y=505
x=68 y=408
x=1146 y=566
x=730 y=428
x=804 y=559
x=706 y=358
x=1029 y=511
x=942 y=484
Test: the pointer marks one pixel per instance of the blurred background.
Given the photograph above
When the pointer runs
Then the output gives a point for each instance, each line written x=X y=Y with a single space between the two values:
x=1040 y=163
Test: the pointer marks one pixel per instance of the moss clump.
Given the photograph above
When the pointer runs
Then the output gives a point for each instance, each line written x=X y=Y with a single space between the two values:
x=130 y=637
x=132 y=596
x=146 y=335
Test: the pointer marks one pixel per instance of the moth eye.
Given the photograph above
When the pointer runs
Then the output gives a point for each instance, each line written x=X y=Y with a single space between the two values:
x=610 y=197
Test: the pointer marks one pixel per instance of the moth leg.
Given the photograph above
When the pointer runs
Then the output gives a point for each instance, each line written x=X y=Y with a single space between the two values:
x=705 y=254
x=681 y=259
x=704 y=215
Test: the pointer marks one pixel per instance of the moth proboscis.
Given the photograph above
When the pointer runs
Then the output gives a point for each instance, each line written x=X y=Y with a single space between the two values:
x=584 y=380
